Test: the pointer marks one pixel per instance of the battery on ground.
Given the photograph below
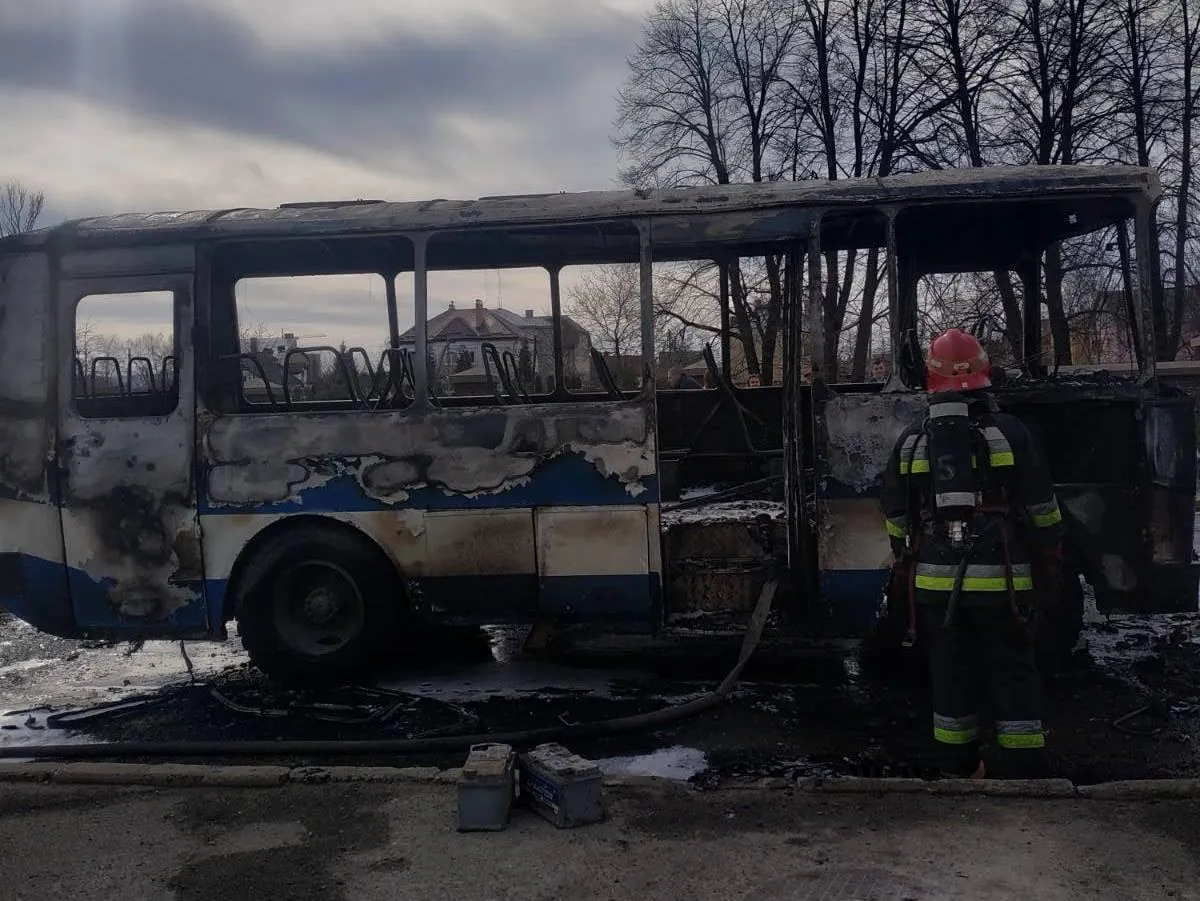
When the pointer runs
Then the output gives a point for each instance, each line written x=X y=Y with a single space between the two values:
x=563 y=787
x=485 y=788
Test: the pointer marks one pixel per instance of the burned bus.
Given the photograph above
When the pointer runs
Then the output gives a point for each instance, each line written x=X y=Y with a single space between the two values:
x=165 y=492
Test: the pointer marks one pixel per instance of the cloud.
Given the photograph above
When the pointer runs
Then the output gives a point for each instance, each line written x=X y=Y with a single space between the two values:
x=137 y=105
x=93 y=158
x=492 y=106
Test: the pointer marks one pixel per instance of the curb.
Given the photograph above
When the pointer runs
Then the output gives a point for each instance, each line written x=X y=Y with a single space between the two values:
x=1014 y=788
x=181 y=775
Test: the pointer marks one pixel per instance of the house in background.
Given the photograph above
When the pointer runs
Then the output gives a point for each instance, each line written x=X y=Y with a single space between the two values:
x=455 y=340
x=264 y=357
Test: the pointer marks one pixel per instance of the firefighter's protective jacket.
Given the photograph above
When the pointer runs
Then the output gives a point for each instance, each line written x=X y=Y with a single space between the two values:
x=1019 y=515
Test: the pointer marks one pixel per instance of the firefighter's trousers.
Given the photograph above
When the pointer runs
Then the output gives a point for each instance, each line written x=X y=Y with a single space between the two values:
x=983 y=656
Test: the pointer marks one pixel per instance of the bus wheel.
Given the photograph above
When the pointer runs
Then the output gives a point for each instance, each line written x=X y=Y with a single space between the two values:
x=318 y=605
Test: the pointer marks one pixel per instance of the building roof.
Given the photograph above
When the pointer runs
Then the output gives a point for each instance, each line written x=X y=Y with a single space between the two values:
x=520 y=321
x=457 y=324
x=461 y=325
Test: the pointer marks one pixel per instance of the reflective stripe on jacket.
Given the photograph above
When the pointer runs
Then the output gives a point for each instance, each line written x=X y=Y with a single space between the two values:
x=1018 y=465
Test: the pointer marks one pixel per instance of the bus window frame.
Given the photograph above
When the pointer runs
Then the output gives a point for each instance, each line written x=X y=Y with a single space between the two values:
x=222 y=278
x=904 y=270
x=109 y=286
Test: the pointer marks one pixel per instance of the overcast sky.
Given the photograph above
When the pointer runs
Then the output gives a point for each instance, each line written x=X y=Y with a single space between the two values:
x=135 y=105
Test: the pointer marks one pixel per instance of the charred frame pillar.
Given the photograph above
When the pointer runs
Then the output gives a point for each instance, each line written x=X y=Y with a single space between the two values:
x=895 y=381
x=795 y=428
x=421 y=319
x=1144 y=308
x=1030 y=271
x=814 y=298
x=556 y=326
x=389 y=287
x=647 y=297
x=1127 y=292
x=723 y=267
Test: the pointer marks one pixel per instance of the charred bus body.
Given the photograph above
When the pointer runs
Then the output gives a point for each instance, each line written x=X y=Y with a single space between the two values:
x=163 y=500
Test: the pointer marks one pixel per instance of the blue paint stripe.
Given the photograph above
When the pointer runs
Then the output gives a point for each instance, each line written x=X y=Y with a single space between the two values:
x=567 y=480
x=853 y=598
x=599 y=597
x=481 y=597
x=67 y=602
x=94 y=610
x=214 y=595
x=41 y=597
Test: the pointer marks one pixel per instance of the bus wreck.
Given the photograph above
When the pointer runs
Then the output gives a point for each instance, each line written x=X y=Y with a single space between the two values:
x=161 y=498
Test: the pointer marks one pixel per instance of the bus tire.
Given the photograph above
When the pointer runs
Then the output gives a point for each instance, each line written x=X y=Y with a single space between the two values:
x=318 y=605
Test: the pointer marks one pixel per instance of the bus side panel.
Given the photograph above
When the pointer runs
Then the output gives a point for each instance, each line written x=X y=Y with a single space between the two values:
x=33 y=583
x=1127 y=500
x=853 y=436
x=1110 y=492
x=594 y=562
x=483 y=511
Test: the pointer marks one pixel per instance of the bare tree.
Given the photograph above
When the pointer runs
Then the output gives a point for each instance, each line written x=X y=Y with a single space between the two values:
x=1054 y=90
x=734 y=90
x=705 y=103
x=1188 y=36
x=107 y=361
x=1144 y=118
x=686 y=303
x=673 y=114
x=606 y=300
x=20 y=208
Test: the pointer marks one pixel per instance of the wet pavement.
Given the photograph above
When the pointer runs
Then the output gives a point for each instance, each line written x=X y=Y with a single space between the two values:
x=334 y=842
x=1128 y=707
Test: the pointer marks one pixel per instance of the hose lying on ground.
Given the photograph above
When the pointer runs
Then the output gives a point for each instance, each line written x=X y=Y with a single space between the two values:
x=368 y=747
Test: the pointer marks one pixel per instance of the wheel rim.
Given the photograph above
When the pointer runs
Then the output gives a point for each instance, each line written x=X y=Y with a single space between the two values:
x=318 y=609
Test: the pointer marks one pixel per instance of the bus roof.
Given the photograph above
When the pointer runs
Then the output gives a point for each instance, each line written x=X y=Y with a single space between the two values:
x=366 y=217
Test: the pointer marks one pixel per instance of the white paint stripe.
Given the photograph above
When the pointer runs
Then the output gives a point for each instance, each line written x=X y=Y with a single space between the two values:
x=592 y=541
x=479 y=543
x=28 y=527
x=600 y=540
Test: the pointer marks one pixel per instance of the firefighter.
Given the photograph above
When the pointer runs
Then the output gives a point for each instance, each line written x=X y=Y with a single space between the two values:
x=975 y=528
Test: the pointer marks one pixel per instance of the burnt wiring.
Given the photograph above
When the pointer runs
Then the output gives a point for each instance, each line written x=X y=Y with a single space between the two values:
x=374 y=706
x=1121 y=723
x=187 y=661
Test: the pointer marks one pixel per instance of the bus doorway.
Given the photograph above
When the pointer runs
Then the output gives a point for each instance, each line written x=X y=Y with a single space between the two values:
x=126 y=455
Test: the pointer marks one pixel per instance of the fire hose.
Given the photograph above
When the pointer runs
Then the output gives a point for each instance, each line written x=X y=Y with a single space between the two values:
x=368 y=747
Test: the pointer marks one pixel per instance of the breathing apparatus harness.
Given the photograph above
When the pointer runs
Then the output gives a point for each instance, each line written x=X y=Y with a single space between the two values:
x=964 y=504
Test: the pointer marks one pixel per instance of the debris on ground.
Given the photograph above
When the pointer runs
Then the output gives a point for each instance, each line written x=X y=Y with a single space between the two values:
x=1128 y=706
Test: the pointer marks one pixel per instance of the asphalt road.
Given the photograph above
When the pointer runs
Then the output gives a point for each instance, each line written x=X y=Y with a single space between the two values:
x=397 y=842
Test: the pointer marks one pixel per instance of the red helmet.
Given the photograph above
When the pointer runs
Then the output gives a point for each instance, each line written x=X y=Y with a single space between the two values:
x=957 y=362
